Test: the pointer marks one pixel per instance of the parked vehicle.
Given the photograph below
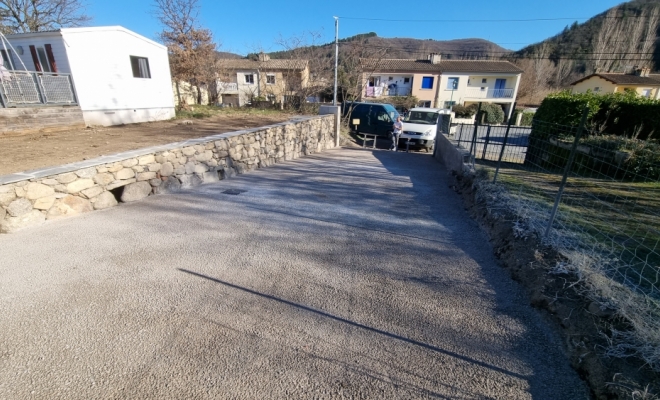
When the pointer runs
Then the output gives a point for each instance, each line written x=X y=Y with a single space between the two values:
x=374 y=118
x=421 y=125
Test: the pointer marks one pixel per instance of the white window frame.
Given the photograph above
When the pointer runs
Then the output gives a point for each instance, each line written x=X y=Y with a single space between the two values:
x=268 y=78
x=249 y=81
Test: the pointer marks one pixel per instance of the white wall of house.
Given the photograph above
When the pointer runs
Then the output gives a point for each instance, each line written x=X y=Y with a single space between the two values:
x=392 y=84
x=247 y=90
x=472 y=89
x=101 y=67
x=99 y=60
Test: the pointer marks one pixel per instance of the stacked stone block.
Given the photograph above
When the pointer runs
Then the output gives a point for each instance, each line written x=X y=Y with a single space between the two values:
x=31 y=202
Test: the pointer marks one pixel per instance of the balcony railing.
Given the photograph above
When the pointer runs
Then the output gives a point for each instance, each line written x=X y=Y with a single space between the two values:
x=21 y=88
x=383 y=91
x=478 y=93
x=399 y=91
x=227 y=87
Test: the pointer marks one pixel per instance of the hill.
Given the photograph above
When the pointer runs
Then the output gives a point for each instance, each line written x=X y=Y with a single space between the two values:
x=405 y=47
x=616 y=40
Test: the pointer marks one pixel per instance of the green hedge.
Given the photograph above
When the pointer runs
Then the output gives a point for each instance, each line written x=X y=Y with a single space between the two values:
x=463 y=111
x=527 y=118
x=493 y=113
x=619 y=114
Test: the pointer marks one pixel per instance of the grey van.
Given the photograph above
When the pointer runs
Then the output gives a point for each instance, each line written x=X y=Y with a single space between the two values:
x=374 y=118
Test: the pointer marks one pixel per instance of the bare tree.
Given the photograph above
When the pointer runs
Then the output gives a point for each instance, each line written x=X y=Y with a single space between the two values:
x=19 y=16
x=191 y=48
x=307 y=48
x=564 y=69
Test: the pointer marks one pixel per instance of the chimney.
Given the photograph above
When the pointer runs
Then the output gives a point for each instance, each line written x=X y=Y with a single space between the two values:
x=263 y=56
x=435 y=58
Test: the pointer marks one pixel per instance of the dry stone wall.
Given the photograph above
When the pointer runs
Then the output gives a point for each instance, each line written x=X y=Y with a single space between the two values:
x=82 y=188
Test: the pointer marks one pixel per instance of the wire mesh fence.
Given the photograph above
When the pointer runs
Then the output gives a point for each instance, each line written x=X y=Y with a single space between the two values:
x=594 y=200
x=33 y=88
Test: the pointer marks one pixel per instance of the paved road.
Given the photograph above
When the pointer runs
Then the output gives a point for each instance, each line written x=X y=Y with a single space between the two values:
x=349 y=274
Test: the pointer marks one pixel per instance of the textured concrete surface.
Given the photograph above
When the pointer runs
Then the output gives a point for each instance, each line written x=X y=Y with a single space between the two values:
x=345 y=274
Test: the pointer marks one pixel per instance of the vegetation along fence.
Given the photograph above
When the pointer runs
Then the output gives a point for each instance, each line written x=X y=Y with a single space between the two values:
x=23 y=88
x=594 y=198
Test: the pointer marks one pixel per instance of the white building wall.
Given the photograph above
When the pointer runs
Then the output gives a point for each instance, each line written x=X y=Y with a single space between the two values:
x=100 y=63
x=246 y=91
x=461 y=94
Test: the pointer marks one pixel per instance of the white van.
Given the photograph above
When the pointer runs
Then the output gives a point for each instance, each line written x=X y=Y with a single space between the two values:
x=421 y=125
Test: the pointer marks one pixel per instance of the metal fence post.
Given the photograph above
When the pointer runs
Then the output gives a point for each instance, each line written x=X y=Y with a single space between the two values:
x=571 y=157
x=483 y=154
x=40 y=89
x=506 y=138
x=476 y=129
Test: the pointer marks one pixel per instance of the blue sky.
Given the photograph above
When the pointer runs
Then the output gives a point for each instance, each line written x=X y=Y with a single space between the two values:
x=247 y=26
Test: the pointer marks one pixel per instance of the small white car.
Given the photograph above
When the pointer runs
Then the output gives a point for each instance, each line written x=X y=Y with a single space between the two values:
x=421 y=125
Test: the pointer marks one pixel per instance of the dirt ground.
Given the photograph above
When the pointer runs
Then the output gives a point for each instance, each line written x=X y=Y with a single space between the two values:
x=32 y=151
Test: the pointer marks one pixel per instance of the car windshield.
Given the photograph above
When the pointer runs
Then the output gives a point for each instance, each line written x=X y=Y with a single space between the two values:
x=393 y=113
x=422 y=117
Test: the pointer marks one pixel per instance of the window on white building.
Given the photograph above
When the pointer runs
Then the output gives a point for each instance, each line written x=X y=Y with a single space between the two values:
x=7 y=59
x=452 y=83
x=43 y=59
x=406 y=80
x=140 y=66
x=249 y=79
x=484 y=80
x=597 y=89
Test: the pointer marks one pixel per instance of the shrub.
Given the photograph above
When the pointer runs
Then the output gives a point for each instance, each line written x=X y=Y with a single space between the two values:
x=527 y=118
x=493 y=113
x=621 y=114
x=463 y=111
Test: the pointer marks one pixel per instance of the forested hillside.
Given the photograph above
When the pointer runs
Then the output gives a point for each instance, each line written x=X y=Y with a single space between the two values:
x=617 y=40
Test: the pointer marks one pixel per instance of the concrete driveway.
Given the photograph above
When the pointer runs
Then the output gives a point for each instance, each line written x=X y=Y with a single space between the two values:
x=349 y=274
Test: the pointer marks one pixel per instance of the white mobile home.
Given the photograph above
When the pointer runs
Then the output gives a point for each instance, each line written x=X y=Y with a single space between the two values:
x=120 y=77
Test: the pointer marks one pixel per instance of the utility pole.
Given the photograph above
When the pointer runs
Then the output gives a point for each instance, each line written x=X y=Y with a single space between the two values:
x=334 y=98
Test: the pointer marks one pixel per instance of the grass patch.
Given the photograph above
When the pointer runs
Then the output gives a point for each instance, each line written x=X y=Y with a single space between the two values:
x=621 y=219
x=203 y=111
x=609 y=233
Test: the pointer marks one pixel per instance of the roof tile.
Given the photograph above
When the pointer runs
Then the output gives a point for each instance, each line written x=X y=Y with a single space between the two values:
x=480 y=66
x=263 y=65
x=625 y=79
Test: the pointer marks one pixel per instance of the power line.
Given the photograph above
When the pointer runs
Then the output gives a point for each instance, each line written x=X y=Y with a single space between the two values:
x=491 y=20
x=486 y=53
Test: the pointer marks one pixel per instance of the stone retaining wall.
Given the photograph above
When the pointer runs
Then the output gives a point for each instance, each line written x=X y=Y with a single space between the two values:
x=452 y=156
x=30 y=198
x=40 y=119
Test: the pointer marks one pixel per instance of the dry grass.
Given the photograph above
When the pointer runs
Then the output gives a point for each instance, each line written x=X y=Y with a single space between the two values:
x=608 y=232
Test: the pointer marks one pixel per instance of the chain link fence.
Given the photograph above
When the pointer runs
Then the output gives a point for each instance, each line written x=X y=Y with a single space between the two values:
x=596 y=200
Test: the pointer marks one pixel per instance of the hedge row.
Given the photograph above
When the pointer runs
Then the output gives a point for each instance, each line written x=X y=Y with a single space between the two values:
x=620 y=114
